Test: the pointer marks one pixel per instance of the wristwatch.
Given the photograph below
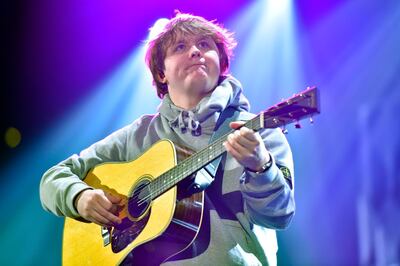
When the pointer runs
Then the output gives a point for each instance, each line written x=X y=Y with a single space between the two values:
x=264 y=168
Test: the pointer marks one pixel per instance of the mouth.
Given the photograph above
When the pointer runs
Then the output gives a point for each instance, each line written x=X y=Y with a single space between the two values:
x=199 y=65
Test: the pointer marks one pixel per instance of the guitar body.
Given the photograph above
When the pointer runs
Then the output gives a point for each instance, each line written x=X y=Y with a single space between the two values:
x=146 y=237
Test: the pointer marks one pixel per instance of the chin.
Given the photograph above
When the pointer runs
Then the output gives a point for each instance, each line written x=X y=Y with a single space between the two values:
x=203 y=85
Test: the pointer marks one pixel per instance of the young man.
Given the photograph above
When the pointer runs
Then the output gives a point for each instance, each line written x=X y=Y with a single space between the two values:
x=250 y=197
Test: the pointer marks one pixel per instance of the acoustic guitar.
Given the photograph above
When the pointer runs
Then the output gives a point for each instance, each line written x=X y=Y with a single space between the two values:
x=158 y=222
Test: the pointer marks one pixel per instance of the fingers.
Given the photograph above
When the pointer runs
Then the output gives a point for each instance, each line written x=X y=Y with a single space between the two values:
x=233 y=151
x=105 y=216
x=99 y=219
x=240 y=144
x=244 y=138
x=246 y=146
x=96 y=206
x=239 y=152
x=250 y=134
x=248 y=137
x=244 y=131
x=236 y=124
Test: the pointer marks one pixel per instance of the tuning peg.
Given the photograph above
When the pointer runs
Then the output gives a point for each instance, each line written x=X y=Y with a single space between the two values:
x=311 y=120
x=285 y=131
x=297 y=125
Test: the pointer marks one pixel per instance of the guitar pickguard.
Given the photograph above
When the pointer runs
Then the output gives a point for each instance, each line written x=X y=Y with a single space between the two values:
x=127 y=232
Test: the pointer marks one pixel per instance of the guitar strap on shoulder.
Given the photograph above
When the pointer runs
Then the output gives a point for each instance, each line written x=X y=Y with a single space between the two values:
x=205 y=176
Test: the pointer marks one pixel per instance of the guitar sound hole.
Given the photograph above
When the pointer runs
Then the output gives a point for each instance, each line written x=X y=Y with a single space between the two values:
x=140 y=199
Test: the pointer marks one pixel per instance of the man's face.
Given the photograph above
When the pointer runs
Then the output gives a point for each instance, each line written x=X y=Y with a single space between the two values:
x=192 y=65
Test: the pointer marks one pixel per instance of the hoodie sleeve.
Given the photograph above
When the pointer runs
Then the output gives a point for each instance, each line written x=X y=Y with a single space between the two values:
x=63 y=182
x=269 y=196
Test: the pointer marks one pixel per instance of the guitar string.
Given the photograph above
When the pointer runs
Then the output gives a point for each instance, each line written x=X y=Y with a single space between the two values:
x=180 y=176
x=174 y=179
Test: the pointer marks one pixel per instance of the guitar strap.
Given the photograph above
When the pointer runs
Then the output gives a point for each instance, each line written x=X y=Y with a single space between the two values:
x=205 y=176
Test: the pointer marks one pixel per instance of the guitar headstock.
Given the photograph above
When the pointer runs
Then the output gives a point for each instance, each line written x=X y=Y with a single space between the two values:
x=301 y=105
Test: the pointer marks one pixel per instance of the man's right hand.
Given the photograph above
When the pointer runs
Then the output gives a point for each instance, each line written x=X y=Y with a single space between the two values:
x=98 y=206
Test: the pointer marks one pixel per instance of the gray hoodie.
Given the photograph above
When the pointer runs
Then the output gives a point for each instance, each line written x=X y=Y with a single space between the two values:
x=243 y=207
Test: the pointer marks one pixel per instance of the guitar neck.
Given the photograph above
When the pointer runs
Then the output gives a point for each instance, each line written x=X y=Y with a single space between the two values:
x=195 y=162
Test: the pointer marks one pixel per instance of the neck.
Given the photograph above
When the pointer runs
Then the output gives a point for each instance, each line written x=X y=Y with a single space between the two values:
x=187 y=102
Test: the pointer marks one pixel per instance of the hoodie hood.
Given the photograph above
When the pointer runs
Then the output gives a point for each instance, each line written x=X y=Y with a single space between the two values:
x=206 y=113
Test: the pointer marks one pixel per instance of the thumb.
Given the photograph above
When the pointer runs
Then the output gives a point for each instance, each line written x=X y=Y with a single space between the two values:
x=236 y=124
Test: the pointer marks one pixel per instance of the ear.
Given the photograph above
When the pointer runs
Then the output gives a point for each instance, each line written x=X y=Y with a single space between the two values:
x=161 y=77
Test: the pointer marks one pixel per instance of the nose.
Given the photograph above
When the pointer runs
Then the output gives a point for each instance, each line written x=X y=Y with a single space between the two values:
x=194 y=51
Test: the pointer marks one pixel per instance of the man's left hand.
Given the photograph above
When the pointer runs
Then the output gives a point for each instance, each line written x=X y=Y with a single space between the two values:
x=247 y=147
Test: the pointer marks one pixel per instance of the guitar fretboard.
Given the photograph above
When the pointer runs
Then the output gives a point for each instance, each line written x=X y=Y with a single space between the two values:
x=195 y=162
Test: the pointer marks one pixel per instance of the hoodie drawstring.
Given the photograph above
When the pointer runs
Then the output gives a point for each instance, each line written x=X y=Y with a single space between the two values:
x=186 y=120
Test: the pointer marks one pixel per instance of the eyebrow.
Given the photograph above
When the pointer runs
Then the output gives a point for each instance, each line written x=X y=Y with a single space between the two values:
x=197 y=39
x=179 y=41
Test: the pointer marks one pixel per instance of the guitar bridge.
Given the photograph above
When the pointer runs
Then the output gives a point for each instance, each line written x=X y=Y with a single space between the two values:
x=105 y=233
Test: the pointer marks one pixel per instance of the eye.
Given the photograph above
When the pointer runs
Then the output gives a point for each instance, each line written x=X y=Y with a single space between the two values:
x=179 y=47
x=204 y=44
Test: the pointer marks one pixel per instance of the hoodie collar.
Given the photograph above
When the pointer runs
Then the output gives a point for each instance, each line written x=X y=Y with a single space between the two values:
x=227 y=93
